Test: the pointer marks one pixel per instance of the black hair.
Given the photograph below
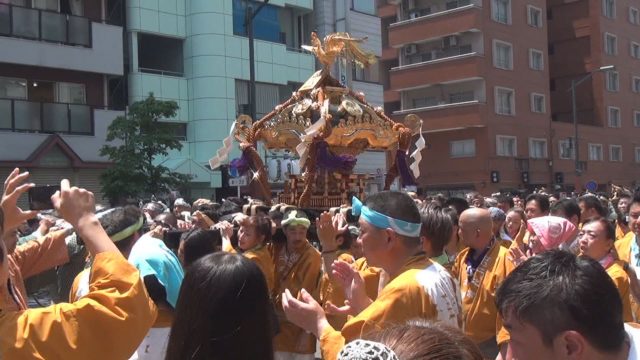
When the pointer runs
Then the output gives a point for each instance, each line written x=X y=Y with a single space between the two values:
x=452 y=214
x=229 y=207
x=210 y=211
x=556 y=291
x=505 y=199
x=223 y=311
x=457 y=203
x=437 y=227
x=276 y=215
x=541 y=199
x=167 y=218
x=568 y=207
x=198 y=243
x=119 y=219
x=592 y=202
x=397 y=205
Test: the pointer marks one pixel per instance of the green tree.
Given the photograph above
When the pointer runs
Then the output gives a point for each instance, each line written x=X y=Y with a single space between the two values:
x=139 y=137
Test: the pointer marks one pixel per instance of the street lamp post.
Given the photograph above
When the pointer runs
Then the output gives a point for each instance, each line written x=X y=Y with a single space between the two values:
x=250 y=14
x=574 y=84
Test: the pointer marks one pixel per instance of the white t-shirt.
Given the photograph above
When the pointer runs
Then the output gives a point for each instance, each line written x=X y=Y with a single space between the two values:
x=634 y=339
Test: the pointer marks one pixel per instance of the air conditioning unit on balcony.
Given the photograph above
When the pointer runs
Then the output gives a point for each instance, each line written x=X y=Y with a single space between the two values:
x=449 y=41
x=411 y=49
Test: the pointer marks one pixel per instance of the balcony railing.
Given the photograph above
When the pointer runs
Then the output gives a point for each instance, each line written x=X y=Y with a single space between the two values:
x=427 y=11
x=438 y=106
x=43 y=25
x=437 y=54
x=42 y=117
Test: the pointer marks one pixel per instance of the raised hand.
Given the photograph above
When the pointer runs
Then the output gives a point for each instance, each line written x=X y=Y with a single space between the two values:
x=344 y=310
x=517 y=256
x=327 y=232
x=14 y=187
x=305 y=312
x=77 y=207
x=353 y=285
x=226 y=229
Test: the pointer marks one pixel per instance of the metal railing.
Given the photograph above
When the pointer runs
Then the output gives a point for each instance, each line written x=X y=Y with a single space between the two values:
x=416 y=13
x=44 y=25
x=44 y=117
x=160 y=72
x=437 y=54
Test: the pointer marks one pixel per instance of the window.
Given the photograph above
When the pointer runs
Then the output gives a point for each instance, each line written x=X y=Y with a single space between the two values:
x=609 y=8
x=615 y=153
x=462 y=148
x=505 y=101
x=534 y=16
x=610 y=44
x=369 y=73
x=566 y=149
x=614 y=116
x=276 y=24
x=506 y=145
x=635 y=50
x=637 y=154
x=537 y=103
x=612 y=82
x=13 y=88
x=70 y=93
x=537 y=148
x=501 y=11
x=502 y=55
x=160 y=55
x=270 y=95
x=595 y=152
x=635 y=84
x=634 y=16
x=536 y=59
x=425 y=102
x=461 y=96
x=636 y=118
x=364 y=6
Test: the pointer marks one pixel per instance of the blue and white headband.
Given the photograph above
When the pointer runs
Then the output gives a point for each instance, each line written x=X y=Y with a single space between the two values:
x=383 y=221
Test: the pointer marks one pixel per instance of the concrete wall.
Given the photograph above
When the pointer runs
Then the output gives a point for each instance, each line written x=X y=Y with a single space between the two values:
x=104 y=57
x=361 y=25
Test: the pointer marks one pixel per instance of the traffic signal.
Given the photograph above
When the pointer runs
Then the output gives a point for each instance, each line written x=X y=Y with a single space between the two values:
x=525 y=177
x=559 y=178
x=495 y=177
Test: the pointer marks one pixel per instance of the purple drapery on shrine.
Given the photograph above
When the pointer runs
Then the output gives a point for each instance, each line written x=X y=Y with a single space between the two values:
x=330 y=161
x=406 y=178
x=240 y=165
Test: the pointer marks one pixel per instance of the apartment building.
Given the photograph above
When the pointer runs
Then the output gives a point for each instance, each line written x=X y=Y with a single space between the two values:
x=492 y=81
x=585 y=36
x=197 y=53
x=477 y=73
x=61 y=67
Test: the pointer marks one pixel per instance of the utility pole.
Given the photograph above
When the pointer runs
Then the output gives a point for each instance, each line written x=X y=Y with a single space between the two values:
x=250 y=14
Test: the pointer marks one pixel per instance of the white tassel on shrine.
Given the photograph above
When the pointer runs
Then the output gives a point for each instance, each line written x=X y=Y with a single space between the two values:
x=223 y=153
x=416 y=155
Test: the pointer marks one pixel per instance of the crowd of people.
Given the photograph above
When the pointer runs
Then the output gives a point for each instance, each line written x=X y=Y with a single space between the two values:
x=393 y=276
